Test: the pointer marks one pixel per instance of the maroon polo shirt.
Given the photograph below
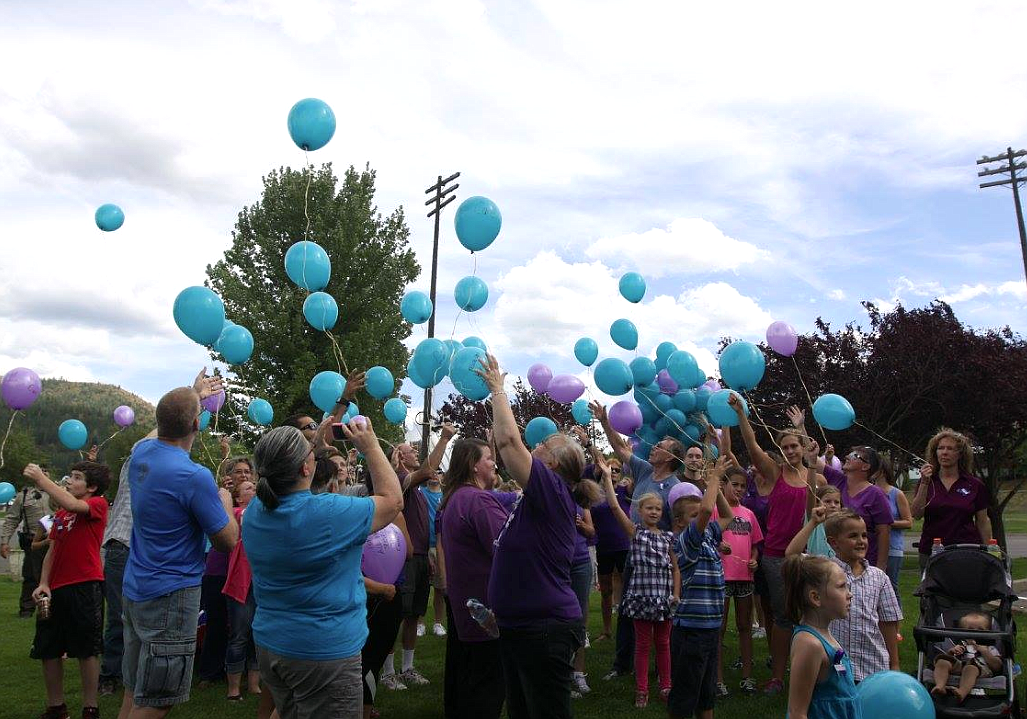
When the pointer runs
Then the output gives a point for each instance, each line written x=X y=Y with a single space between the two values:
x=949 y=514
x=415 y=512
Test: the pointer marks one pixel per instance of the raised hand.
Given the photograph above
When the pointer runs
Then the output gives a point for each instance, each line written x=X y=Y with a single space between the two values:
x=819 y=514
x=735 y=403
x=828 y=453
x=206 y=386
x=226 y=448
x=92 y=453
x=812 y=452
x=599 y=412
x=448 y=431
x=362 y=435
x=489 y=371
x=35 y=473
x=796 y=415
x=354 y=383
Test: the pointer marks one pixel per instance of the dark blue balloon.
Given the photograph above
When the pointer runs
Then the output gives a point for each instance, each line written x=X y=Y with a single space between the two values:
x=478 y=222
x=109 y=217
x=311 y=124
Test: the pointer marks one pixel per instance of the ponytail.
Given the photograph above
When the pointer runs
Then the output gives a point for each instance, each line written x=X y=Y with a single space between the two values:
x=279 y=456
x=267 y=495
x=801 y=573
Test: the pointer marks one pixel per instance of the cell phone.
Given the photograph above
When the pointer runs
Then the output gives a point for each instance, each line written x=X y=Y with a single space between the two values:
x=337 y=433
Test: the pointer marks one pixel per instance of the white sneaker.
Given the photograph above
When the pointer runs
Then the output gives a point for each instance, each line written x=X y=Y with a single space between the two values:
x=420 y=629
x=412 y=677
x=759 y=633
x=438 y=630
x=580 y=684
x=588 y=643
x=392 y=682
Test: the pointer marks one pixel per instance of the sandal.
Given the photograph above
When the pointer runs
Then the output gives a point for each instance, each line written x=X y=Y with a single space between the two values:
x=641 y=700
x=601 y=637
x=234 y=697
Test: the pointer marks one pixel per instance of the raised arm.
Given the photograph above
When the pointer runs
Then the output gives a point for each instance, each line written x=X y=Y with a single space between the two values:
x=611 y=498
x=64 y=498
x=431 y=463
x=584 y=524
x=710 y=498
x=812 y=452
x=225 y=539
x=725 y=445
x=800 y=540
x=919 y=503
x=620 y=448
x=767 y=467
x=511 y=448
x=388 y=495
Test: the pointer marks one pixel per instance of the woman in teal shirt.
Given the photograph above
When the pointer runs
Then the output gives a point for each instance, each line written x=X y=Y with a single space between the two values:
x=304 y=550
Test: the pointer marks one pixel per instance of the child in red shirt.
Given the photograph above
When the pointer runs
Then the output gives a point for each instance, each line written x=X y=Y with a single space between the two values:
x=72 y=583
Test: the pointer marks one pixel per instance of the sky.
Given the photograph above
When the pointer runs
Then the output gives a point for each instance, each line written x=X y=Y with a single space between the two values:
x=753 y=161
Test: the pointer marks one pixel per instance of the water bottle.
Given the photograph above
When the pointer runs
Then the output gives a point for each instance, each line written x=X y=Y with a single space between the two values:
x=993 y=548
x=484 y=616
x=936 y=547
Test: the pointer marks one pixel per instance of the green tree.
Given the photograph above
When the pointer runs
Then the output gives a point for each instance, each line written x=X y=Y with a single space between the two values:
x=371 y=265
x=19 y=451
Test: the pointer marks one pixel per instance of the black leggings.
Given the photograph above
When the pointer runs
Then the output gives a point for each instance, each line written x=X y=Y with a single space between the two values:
x=383 y=620
x=474 y=687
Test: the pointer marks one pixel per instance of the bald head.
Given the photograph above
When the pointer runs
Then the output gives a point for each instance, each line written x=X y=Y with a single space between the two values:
x=177 y=413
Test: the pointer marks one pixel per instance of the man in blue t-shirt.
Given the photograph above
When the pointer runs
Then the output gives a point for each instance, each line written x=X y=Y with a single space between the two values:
x=175 y=505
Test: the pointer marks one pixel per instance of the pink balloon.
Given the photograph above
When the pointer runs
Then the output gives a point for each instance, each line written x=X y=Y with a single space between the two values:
x=124 y=416
x=384 y=554
x=214 y=403
x=20 y=387
x=539 y=376
x=782 y=338
x=685 y=489
x=625 y=417
x=565 y=388
x=666 y=383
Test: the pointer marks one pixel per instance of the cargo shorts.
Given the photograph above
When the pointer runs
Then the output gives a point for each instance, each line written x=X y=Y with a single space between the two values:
x=160 y=647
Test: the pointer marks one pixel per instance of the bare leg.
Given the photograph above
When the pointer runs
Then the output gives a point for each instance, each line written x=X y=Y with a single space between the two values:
x=409 y=632
x=743 y=620
x=967 y=680
x=266 y=708
x=126 y=705
x=149 y=712
x=253 y=681
x=942 y=669
x=234 y=680
x=89 y=670
x=723 y=630
x=779 y=645
x=53 y=677
x=439 y=606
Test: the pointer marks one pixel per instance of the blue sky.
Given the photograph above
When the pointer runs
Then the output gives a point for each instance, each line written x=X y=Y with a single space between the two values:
x=754 y=161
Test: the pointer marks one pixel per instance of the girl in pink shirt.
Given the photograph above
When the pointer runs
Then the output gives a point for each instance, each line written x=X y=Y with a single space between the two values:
x=241 y=652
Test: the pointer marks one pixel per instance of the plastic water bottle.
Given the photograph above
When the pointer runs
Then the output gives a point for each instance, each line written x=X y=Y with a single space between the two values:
x=484 y=616
x=993 y=548
x=936 y=547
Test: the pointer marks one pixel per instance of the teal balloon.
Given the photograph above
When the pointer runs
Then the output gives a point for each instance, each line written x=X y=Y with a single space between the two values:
x=684 y=400
x=720 y=412
x=586 y=351
x=682 y=367
x=471 y=294
x=698 y=379
x=417 y=378
x=894 y=695
x=224 y=328
x=478 y=342
x=452 y=347
x=311 y=123
x=624 y=333
x=742 y=365
x=648 y=436
x=72 y=434
x=691 y=434
x=665 y=350
x=632 y=287
x=415 y=307
x=395 y=410
x=109 y=217
x=711 y=451
x=321 y=310
x=235 y=344
x=649 y=412
x=677 y=419
x=379 y=382
x=260 y=412
x=464 y=377
x=200 y=314
x=663 y=403
x=580 y=411
x=702 y=396
x=204 y=420
x=660 y=363
x=647 y=394
x=538 y=430
x=613 y=377
x=665 y=428
x=326 y=390
x=430 y=357
x=307 y=265
x=643 y=371
x=478 y=222
x=832 y=411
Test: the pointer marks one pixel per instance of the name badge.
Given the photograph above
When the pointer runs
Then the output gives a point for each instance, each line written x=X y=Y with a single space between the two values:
x=840 y=668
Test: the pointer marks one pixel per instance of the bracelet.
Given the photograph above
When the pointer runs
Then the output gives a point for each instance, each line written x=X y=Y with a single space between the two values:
x=500 y=392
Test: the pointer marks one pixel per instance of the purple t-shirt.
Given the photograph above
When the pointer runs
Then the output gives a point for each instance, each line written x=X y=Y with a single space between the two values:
x=610 y=536
x=531 y=571
x=216 y=564
x=758 y=504
x=470 y=523
x=580 y=543
x=871 y=504
x=415 y=512
x=949 y=514
x=507 y=499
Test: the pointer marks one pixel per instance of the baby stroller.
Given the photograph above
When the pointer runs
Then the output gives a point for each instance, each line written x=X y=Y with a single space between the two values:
x=959 y=579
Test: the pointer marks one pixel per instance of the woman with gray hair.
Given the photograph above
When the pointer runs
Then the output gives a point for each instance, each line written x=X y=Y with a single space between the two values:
x=538 y=613
x=305 y=550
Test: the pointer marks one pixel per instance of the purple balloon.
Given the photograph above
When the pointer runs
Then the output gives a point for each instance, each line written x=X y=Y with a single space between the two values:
x=782 y=338
x=565 y=388
x=359 y=420
x=214 y=403
x=383 y=556
x=625 y=417
x=667 y=384
x=124 y=416
x=539 y=377
x=835 y=462
x=20 y=388
x=712 y=385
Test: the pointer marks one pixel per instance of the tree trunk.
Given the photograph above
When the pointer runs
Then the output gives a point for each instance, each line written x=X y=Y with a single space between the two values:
x=998 y=527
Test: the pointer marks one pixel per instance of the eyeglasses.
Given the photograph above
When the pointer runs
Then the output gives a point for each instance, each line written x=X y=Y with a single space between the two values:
x=311 y=426
x=857 y=455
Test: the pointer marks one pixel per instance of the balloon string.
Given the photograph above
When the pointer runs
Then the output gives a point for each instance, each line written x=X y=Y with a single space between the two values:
x=767 y=427
x=306 y=198
x=903 y=449
x=100 y=446
x=808 y=397
x=474 y=273
x=337 y=352
x=6 y=435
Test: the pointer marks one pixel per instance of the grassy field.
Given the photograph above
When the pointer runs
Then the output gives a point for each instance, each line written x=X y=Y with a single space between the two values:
x=21 y=684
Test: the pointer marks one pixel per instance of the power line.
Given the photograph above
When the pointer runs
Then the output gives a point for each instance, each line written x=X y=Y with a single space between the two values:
x=1009 y=170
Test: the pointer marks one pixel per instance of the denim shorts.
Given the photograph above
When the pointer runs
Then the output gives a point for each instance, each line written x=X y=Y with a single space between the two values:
x=160 y=645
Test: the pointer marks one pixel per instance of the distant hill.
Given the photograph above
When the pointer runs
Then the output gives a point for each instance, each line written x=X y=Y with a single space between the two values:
x=92 y=403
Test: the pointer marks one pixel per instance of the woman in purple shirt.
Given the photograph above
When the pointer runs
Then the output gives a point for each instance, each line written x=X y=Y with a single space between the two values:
x=471 y=519
x=953 y=502
x=540 y=622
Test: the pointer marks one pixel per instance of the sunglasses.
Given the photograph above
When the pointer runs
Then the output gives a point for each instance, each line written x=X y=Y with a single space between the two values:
x=311 y=426
x=614 y=470
x=857 y=455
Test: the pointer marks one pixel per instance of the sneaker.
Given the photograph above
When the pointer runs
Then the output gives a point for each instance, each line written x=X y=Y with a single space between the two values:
x=420 y=629
x=641 y=700
x=393 y=682
x=737 y=663
x=774 y=686
x=580 y=684
x=665 y=694
x=588 y=644
x=759 y=633
x=575 y=694
x=722 y=691
x=412 y=677
x=108 y=687
x=747 y=685
x=613 y=674
x=59 y=711
x=90 y=712
x=438 y=630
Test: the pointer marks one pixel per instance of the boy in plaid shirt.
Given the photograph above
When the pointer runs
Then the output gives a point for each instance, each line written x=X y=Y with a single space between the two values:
x=695 y=638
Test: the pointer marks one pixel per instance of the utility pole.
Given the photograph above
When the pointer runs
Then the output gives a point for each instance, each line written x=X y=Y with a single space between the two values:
x=443 y=196
x=1010 y=168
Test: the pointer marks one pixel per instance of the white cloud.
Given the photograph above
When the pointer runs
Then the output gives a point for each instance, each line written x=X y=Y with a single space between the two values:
x=836 y=294
x=687 y=246
x=904 y=287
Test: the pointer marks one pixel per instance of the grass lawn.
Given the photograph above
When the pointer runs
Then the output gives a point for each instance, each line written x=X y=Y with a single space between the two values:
x=21 y=684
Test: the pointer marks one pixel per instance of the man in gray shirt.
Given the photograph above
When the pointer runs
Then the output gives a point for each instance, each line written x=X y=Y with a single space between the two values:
x=30 y=505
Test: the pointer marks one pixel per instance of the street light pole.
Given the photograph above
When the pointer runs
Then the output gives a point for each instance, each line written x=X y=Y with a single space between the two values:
x=1010 y=168
x=443 y=196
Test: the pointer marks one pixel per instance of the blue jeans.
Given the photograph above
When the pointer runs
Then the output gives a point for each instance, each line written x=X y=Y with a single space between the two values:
x=894 y=567
x=241 y=653
x=113 y=636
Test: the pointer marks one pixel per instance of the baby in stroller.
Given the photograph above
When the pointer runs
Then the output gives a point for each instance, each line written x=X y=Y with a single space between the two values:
x=967 y=659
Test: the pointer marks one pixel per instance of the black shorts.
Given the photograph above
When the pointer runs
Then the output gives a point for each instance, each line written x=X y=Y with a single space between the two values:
x=608 y=561
x=416 y=585
x=759 y=582
x=75 y=626
x=693 y=668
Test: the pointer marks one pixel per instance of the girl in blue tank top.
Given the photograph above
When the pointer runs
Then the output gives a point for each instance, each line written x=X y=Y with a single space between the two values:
x=821 y=685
